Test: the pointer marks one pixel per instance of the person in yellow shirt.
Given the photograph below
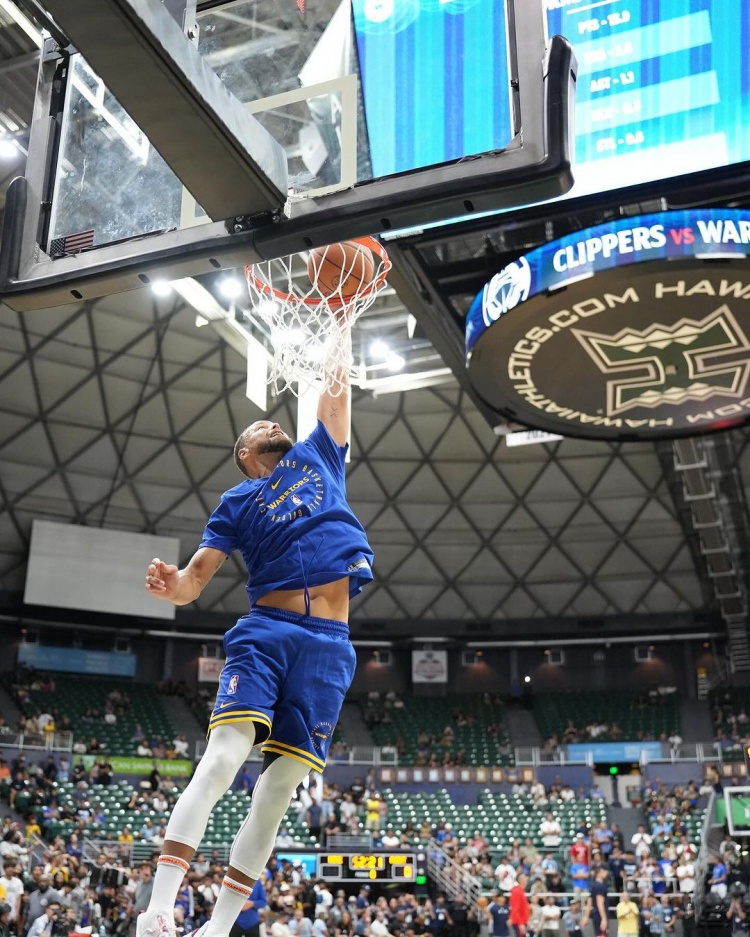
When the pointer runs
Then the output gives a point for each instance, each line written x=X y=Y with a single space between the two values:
x=627 y=916
x=372 y=816
x=126 y=836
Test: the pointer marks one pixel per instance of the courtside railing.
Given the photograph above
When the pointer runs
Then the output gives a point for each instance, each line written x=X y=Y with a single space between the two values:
x=700 y=752
x=357 y=755
x=38 y=741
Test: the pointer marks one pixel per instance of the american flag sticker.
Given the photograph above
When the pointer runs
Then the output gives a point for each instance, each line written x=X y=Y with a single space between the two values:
x=71 y=244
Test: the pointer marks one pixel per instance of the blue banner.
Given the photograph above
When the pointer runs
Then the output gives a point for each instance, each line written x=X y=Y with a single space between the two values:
x=667 y=235
x=77 y=660
x=614 y=751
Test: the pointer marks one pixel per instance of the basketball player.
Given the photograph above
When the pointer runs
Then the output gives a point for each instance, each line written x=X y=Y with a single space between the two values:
x=289 y=662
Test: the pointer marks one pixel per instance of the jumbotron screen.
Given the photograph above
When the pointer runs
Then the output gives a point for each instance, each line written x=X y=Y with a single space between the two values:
x=663 y=87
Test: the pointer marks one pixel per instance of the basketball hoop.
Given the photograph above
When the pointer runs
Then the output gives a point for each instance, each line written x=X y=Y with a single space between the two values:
x=303 y=304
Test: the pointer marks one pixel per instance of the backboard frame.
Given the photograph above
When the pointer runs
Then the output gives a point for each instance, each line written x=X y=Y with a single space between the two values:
x=536 y=166
x=729 y=792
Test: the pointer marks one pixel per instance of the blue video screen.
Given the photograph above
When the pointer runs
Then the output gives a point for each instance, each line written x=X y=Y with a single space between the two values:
x=434 y=79
x=663 y=87
x=308 y=861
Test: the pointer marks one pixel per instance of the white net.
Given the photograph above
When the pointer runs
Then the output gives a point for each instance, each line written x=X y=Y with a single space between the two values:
x=309 y=313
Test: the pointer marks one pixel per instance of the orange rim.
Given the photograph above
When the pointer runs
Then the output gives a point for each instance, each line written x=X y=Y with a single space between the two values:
x=375 y=246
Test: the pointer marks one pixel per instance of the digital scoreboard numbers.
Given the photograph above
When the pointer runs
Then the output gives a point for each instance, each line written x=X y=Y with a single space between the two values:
x=375 y=866
x=660 y=90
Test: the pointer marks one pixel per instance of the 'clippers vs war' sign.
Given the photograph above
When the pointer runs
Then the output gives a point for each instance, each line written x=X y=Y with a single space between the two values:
x=638 y=329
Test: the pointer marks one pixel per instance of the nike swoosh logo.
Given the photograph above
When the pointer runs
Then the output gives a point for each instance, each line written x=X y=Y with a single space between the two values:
x=274 y=487
x=222 y=705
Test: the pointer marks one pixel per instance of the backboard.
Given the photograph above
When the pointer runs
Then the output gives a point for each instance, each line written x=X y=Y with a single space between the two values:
x=167 y=144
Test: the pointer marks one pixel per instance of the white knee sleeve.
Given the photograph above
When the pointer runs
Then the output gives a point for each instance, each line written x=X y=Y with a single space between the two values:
x=227 y=750
x=272 y=795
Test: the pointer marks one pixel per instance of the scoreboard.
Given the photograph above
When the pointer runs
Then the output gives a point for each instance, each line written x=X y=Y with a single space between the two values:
x=368 y=867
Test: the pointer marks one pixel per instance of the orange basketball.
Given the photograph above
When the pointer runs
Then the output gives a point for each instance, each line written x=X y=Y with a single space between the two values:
x=341 y=269
x=483 y=901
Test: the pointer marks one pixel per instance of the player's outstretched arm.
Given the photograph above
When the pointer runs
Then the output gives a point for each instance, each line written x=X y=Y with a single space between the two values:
x=181 y=586
x=335 y=401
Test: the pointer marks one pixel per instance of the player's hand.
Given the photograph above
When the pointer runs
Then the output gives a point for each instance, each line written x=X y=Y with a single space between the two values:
x=162 y=579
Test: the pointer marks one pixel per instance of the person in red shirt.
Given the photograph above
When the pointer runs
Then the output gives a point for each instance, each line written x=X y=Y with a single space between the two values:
x=519 y=906
x=579 y=851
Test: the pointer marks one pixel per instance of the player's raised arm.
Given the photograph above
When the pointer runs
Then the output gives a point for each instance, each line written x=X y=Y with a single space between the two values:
x=335 y=400
x=181 y=586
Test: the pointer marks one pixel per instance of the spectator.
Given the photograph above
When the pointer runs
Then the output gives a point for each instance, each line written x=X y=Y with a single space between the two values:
x=551 y=832
x=40 y=899
x=280 y=927
x=42 y=925
x=12 y=887
x=372 y=816
x=142 y=893
x=602 y=837
x=551 y=916
x=718 y=881
x=497 y=915
x=505 y=875
x=628 y=916
x=599 y=903
x=685 y=873
x=641 y=842
x=520 y=912
x=737 y=915
x=574 y=919
x=313 y=819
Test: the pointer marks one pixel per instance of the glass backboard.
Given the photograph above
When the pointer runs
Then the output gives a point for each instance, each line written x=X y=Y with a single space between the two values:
x=388 y=113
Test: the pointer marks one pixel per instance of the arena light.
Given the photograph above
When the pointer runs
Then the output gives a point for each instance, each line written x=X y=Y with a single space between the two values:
x=379 y=349
x=231 y=287
x=395 y=362
x=161 y=288
x=8 y=149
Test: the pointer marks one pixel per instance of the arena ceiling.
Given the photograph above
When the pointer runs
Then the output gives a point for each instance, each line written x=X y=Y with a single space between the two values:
x=121 y=412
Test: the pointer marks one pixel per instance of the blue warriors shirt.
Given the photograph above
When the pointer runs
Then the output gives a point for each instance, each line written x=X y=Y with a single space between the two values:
x=294 y=528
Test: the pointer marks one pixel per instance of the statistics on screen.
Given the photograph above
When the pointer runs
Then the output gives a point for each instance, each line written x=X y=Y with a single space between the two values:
x=663 y=88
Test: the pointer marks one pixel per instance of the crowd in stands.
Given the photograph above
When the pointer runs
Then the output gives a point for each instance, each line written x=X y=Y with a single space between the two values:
x=660 y=863
x=656 y=866
x=60 y=893
x=93 y=727
x=600 y=716
x=731 y=722
x=440 y=732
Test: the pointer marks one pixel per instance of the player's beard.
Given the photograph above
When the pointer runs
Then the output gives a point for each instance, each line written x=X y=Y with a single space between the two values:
x=281 y=444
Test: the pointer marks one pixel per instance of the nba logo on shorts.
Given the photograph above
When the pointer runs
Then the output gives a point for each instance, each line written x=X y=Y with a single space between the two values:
x=234 y=680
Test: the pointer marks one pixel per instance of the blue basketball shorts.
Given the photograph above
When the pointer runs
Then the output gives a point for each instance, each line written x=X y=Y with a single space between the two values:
x=288 y=674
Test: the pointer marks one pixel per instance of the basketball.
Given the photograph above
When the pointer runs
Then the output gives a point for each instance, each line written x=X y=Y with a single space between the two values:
x=482 y=901
x=341 y=269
